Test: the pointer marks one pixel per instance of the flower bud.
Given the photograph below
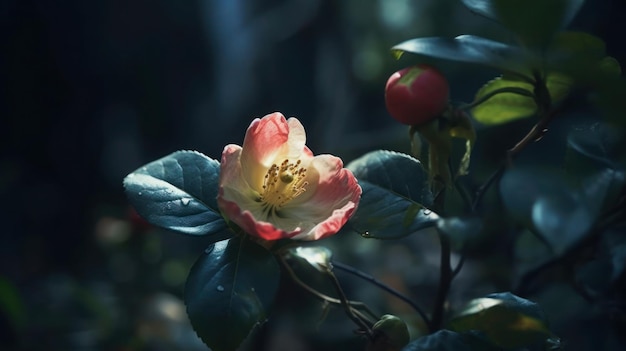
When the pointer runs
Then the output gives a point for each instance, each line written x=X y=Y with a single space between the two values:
x=416 y=95
x=390 y=334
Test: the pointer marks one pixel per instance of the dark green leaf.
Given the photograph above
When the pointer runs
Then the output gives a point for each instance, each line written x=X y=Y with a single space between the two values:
x=615 y=242
x=546 y=203
x=575 y=45
x=397 y=172
x=395 y=195
x=443 y=340
x=581 y=56
x=602 y=190
x=506 y=320
x=468 y=49
x=308 y=265
x=178 y=192
x=230 y=291
x=595 y=147
x=599 y=276
x=533 y=21
x=595 y=276
x=531 y=251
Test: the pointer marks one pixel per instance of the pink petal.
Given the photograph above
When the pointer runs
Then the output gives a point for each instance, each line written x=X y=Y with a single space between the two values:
x=252 y=225
x=264 y=139
x=232 y=184
x=333 y=201
x=331 y=225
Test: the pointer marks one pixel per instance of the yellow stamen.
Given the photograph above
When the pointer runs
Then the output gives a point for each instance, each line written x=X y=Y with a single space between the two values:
x=282 y=184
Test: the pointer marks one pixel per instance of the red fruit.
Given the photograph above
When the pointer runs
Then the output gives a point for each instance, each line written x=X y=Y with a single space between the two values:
x=416 y=95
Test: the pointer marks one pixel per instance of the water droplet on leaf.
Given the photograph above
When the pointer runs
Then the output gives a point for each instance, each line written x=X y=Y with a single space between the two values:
x=220 y=288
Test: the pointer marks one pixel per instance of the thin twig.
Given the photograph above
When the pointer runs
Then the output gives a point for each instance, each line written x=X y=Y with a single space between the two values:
x=321 y=296
x=347 y=307
x=458 y=267
x=483 y=188
x=350 y=306
x=392 y=291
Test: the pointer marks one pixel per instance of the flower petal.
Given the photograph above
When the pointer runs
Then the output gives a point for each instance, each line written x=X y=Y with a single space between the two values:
x=233 y=186
x=332 y=203
x=253 y=226
x=296 y=142
x=265 y=138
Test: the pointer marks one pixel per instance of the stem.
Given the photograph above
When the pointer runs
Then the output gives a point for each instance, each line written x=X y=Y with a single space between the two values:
x=350 y=306
x=483 y=188
x=458 y=267
x=512 y=90
x=392 y=291
x=347 y=307
x=445 y=280
x=445 y=274
x=536 y=133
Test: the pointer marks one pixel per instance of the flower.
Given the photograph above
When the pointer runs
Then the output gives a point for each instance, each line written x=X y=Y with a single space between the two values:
x=274 y=188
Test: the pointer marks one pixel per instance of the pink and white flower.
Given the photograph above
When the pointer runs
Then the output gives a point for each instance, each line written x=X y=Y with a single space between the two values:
x=274 y=188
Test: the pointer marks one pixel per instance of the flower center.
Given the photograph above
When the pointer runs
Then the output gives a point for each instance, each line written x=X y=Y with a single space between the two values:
x=282 y=184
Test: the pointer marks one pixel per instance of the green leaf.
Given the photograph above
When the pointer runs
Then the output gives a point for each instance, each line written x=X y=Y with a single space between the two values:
x=533 y=21
x=230 y=291
x=574 y=45
x=508 y=106
x=317 y=257
x=468 y=49
x=544 y=202
x=615 y=241
x=311 y=266
x=600 y=275
x=581 y=56
x=602 y=190
x=178 y=192
x=504 y=107
x=397 y=172
x=506 y=320
x=442 y=340
x=395 y=195
x=595 y=147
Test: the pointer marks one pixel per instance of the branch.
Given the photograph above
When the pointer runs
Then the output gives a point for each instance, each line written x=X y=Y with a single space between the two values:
x=392 y=291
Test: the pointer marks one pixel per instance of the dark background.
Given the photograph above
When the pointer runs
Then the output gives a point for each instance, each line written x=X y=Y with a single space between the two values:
x=92 y=90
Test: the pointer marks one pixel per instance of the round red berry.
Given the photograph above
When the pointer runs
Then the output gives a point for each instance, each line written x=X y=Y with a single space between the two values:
x=416 y=95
